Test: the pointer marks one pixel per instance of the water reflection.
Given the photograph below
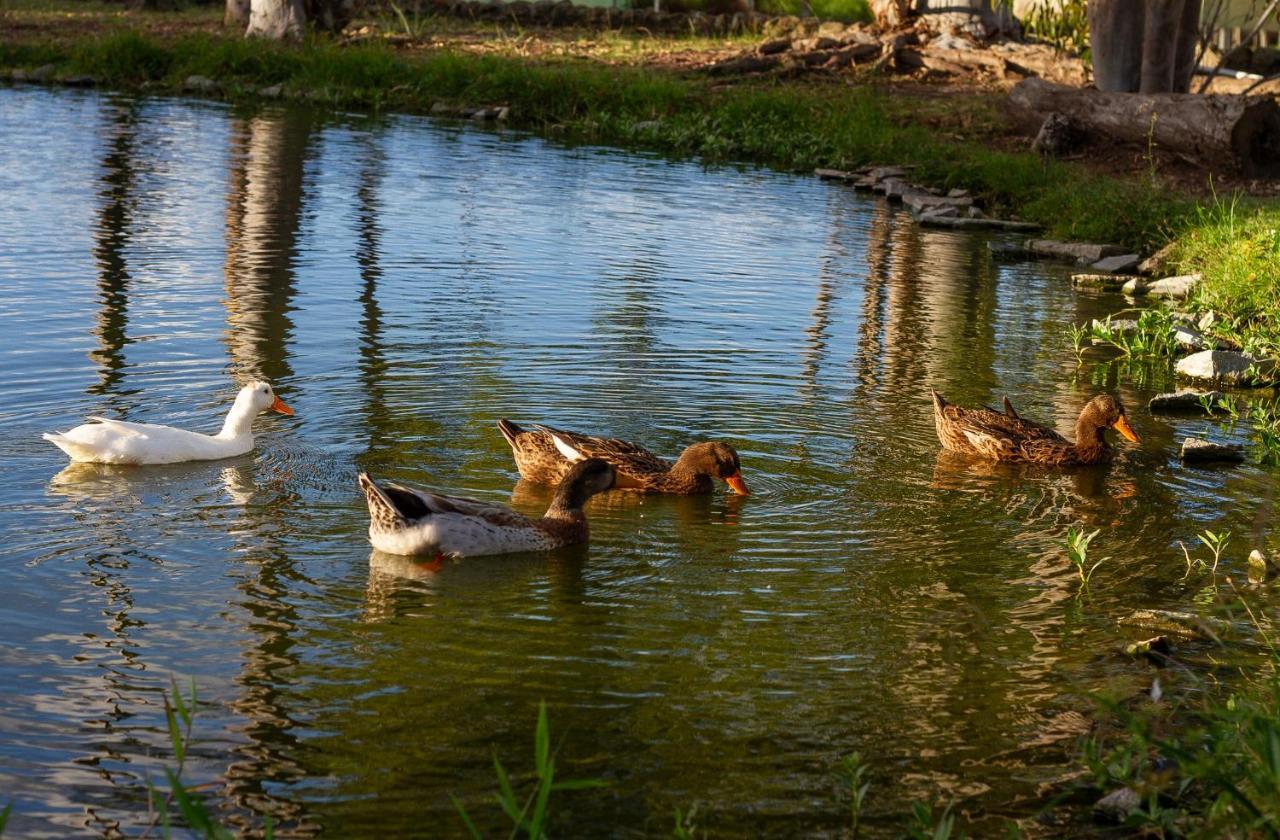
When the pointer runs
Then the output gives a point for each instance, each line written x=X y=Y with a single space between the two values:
x=264 y=207
x=112 y=235
x=415 y=283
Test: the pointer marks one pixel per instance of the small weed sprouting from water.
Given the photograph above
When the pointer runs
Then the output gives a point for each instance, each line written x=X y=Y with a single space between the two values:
x=531 y=816
x=179 y=714
x=686 y=827
x=1152 y=336
x=1078 y=552
x=4 y=817
x=1079 y=335
x=1215 y=542
x=926 y=825
x=853 y=773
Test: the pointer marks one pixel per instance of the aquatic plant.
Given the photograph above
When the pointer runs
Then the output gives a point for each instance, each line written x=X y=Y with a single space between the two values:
x=4 y=816
x=1078 y=553
x=853 y=772
x=1215 y=542
x=926 y=825
x=529 y=816
x=1079 y=335
x=686 y=827
x=179 y=716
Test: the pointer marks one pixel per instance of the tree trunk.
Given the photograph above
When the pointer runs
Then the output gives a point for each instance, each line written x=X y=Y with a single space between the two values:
x=236 y=14
x=1143 y=45
x=1221 y=127
x=277 y=19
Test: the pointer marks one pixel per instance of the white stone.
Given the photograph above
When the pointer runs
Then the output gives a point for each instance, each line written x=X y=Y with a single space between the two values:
x=1174 y=287
x=1225 y=366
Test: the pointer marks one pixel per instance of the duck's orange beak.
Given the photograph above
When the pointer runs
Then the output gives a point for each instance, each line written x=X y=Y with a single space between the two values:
x=279 y=406
x=739 y=486
x=1122 y=426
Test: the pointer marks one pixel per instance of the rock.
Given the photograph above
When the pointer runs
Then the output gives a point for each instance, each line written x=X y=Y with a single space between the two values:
x=440 y=109
x=1157 y=262
x=1134 y=287
x=1190 y=338
x=1157 y=645
x=43 y=73
x=943 y=212
x=777 y=45
x=1084 y=252
x=1195 y=450
x=1174 y=287
x=957 y=193
x=831 y=29
x=975 y=213
x=837 y=175
x=1116 y=326
x=1058 y=136
x=272 y=91
x=922 y=201
x=648 y=125
x=1118 y=805
x=1259 y=569
x=1182 y=624
x=78 y=81
x=1225 y=366
x=1119 y=264
x=976 y=223
x=1185 y=400
x=1207 y=320
x=199 y=84
x=1100 y=281
x=504 y=113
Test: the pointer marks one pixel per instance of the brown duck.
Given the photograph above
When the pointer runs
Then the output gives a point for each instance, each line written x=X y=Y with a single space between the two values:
x=543 y=455
x=1007 y=437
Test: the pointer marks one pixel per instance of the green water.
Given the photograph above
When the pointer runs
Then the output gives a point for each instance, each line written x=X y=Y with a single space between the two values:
x=403 y=285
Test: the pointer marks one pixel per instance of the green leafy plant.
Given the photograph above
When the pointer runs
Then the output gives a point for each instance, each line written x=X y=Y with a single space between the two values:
x=179 y=713
x=926 y=825
x=1064 y=25
x=1215 y=542
x=853 y=772
x=1078 y=553
x=1079 y=335
x=4 y=816
x=529 y=814
x=686 y=827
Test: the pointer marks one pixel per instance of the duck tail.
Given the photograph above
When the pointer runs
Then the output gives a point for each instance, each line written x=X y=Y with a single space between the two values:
x=69 y=446
x=509 y=430
x=382 y=509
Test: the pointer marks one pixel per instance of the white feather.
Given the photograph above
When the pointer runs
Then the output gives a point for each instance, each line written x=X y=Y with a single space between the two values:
x=566 y=450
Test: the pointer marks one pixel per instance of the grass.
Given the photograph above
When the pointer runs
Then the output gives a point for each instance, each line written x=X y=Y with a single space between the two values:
x=1078 y=553
x=529 y=815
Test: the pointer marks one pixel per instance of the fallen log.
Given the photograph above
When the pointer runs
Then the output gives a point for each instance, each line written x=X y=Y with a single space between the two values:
x=1245 y=129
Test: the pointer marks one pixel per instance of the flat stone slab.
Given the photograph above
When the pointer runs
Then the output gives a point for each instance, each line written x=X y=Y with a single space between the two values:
x=1174 y=287
x=1100 y=281
x=1119 y=264
x=1186 y=400
x=199 y=84
x=1190 y=338
x=1084 y=252
x=1118 y=805
x=963 y=223
x=922 y=201
x=1135 y=287
x=1225 y=366
x=1198 y=451
x=837 y=175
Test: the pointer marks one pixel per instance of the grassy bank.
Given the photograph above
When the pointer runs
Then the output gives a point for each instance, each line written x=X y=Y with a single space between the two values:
x=794 y=127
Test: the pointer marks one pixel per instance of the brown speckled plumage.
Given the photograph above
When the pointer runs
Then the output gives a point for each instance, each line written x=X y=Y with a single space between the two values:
x=540 y=460
x=1007 y=437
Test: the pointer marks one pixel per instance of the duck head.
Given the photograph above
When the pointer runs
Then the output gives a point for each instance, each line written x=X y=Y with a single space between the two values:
x=717 y=460
x=1103 y=412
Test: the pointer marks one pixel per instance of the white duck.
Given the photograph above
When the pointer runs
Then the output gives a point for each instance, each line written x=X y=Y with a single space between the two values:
x=117 y=442
x=406 y=521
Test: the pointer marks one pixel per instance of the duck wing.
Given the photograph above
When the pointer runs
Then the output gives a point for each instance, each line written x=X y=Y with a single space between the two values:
x=628 y=459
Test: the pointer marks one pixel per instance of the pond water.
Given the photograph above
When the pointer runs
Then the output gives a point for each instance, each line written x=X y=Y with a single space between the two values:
x=404 y=284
